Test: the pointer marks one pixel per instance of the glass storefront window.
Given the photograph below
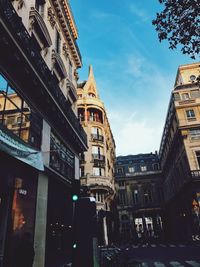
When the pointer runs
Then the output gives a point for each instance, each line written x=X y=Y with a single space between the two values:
x=17 y=116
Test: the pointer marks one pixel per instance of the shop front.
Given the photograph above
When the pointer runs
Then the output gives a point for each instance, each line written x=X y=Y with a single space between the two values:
x=19 y=169
x=18 y=190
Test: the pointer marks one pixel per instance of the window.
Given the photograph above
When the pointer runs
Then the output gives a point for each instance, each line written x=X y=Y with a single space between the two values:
x=185 y=96
x=121 y=183
x=156 y=167
x=131 y=169
x=135 y=196
x=82 y=171
x=97 y=171
x=58 y=42
x=190 y=114
x=70 y=70
x=195 y=133
x=119 y=170
x=147 y=196
x=122 y=197
x=198 y=157
x=143 y=168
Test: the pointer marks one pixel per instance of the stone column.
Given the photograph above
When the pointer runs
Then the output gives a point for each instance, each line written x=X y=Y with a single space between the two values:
x=41 y=221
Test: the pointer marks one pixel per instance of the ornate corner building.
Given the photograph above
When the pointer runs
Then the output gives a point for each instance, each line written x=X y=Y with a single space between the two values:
x=140 y=198
x=40 y=135
x=180 y=156
x=97 y=164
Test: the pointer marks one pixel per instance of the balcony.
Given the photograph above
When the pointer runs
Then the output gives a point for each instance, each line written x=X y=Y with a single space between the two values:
x=99 y=182
x=98 y=157
x=97 y=137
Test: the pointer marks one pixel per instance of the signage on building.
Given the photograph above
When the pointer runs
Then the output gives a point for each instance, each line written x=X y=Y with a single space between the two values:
x=12 y=146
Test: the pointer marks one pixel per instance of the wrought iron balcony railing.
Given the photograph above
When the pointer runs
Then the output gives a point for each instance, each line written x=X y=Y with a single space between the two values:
x=98 y=157
x=97 y=137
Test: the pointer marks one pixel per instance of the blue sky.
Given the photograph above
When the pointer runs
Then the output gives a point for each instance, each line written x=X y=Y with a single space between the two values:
x=134 y=72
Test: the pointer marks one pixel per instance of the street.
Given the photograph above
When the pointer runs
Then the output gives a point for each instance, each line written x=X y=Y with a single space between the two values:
x=161 y=255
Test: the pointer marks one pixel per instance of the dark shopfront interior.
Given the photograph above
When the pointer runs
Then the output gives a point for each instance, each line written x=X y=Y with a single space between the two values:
x=59 y=224
x=18 y=189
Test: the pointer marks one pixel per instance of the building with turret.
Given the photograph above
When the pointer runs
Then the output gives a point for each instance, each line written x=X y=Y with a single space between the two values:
x=97 y=164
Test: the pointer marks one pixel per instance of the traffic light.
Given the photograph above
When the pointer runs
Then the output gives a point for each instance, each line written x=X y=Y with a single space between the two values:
x=75 y=190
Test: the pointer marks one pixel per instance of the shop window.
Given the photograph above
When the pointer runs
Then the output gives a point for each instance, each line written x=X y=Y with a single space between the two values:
x=18 y=117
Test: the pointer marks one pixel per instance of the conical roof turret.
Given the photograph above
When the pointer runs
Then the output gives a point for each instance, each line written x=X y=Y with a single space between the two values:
x=90 y=87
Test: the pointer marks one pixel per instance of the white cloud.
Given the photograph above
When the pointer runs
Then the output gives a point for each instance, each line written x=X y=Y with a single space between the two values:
x=140 y=13
x=133 y=135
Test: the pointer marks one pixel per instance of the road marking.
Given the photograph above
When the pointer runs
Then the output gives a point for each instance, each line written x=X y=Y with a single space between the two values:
x=159 y=264
x=182 y=246
x=153 y=246
x=193 y=263
x=164 y=246
x=176 y=264
x=172 y=246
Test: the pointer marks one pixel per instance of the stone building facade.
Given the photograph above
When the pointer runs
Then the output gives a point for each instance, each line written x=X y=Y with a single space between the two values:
x=97 y=164
x=40 y=135
x=140 y=198
x=180 y=156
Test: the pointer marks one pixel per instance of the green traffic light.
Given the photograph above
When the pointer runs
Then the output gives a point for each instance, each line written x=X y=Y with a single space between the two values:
x=74 y=197
x=74 y=245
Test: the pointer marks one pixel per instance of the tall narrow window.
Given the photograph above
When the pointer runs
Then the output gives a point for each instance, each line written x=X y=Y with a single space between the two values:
x=70 y=71
x=58 y=42
x=135 y=196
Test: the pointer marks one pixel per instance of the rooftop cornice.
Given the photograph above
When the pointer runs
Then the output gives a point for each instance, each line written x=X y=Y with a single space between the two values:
x=67 y=23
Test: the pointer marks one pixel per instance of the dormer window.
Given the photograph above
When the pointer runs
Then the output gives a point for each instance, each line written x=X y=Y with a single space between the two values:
x=91 y=95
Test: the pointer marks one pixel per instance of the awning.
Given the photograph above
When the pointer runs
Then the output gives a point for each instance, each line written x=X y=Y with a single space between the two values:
x=12 y=145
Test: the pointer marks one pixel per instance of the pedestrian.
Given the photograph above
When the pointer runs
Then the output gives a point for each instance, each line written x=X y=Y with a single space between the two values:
x=24 y=254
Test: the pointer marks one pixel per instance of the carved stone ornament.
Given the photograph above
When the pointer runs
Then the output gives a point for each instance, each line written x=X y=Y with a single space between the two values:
x=51 y=17
x=76 y=75
x=65 y=50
